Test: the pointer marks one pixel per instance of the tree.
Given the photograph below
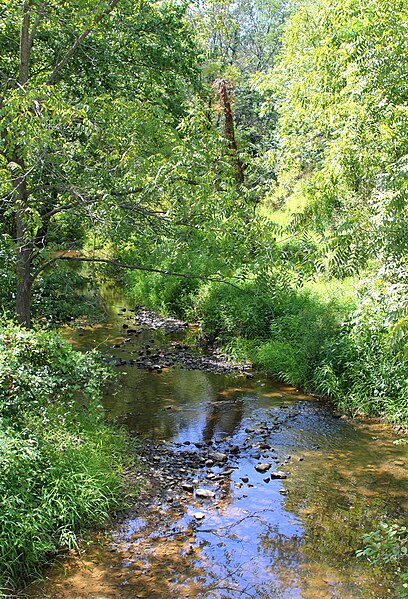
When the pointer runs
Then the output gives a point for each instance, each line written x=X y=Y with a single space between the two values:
x=341 y=92
x=240 y=41
x=88 y=92
x=224 y=91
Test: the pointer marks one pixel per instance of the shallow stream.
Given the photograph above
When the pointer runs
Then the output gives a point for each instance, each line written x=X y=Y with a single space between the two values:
x=288 y=532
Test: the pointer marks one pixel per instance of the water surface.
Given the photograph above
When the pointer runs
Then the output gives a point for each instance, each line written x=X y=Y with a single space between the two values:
x=290 y=538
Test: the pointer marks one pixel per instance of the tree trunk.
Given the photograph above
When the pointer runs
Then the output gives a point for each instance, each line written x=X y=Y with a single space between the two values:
x=23 y=272
x=24 y=246
x=24 y=249
x=229 y=129
x=23 y=296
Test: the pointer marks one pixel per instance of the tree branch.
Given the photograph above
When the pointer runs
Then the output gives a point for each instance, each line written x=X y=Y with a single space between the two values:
x=144 y=268
x=78 y=42
x=48 y=263
x=24 y=63
x=86 y=201
x=35 y=24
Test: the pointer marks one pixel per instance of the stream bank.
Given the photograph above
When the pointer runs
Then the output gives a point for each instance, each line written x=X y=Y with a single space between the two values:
x=256 y=490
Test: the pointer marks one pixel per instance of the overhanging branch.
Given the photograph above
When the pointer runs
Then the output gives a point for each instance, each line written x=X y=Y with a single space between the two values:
x=118 y=264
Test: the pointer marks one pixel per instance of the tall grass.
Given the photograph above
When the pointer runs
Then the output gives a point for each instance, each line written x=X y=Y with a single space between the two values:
x=60 y=464
x=336 y=338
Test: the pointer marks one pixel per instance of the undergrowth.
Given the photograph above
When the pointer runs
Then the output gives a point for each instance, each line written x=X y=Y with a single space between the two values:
x=60 y=463
x=337 y=338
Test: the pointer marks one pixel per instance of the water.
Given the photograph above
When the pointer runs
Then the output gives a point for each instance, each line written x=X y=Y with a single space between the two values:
x=284 y=538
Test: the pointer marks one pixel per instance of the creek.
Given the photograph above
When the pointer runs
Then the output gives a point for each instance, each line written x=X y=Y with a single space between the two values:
x=289 y=486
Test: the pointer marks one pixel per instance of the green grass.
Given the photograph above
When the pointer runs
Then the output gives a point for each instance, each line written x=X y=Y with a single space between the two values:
x=337 y=337
x=60 y=464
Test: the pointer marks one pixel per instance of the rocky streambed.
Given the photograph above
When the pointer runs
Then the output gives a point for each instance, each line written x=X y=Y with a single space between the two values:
x=203 y=470
x=250 y=489
x=156 y=357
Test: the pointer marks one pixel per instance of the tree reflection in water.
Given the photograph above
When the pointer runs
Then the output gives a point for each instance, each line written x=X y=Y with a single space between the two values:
x=254 y=542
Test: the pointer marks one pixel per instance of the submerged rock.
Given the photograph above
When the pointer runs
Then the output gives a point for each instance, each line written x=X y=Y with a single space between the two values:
x=205 y=493
x=199 y=515
x=279 y=474
x=263 y=468
x=217 y=456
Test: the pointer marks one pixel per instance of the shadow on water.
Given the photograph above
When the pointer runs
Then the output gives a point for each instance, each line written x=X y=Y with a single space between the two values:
x=258 y=537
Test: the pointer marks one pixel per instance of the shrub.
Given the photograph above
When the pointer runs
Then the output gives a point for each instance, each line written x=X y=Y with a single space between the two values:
x=305 y=320
x=364 y=367
x=60 y=464
x=388 y=544
x=227 y=312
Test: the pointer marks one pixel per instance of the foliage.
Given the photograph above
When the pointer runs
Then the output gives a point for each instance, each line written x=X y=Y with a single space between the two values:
x=39 y=367
x=388 y=544
x=226 y=312
x=377 y=368
x=341 y=95
x=85 y=117
x=216 y=230
x=7 y=276
x=60 y=464
x=62 y=295
x=240 y=41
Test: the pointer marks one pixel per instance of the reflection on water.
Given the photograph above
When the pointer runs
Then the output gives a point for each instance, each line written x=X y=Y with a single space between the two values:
x=260 y=538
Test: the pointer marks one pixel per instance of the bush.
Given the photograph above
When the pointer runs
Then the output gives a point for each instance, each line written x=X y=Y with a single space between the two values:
x=60 y=464
x=227 y=312
x=39 y=369
x=388 y=544
x=62 y=294
x=305 y=320
x=364 y=368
